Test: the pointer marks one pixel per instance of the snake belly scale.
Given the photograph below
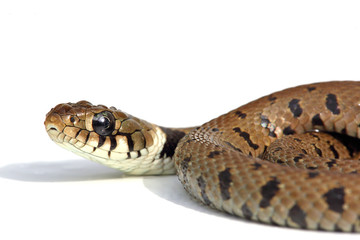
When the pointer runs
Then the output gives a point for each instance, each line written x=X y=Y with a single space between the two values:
x=289 y=158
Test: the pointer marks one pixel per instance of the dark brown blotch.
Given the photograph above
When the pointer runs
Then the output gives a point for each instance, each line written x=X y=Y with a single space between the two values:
x=184 y=166
x=313 y=174
x=298 y=157
x=335 y=152
x=214 y=153
x=295 y=107
x=316 y=120
x=246 y=211
x=310 y=89
x=280 y=161
x=314 y=135
x=225 y=182
x=256 y=166
x=288 y=131
x=272 y=99
x=268 y=191
x=317 y=150
x=240 y=114
x=332 y=104
x=246 y=137
x=298 y=216
x=331 y=163
x=335 y=198
x=202 y=186
x=311 y=167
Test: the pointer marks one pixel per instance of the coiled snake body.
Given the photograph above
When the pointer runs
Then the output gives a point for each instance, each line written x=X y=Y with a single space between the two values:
x=289 y=158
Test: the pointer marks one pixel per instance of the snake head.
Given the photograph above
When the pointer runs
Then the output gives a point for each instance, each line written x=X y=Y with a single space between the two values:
x=72 y=118
x=103 y=134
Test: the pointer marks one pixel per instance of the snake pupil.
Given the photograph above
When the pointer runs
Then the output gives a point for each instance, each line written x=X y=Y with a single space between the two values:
x=104 y=123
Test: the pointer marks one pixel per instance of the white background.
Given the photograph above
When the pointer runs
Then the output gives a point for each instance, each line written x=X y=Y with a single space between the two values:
x=176 y=63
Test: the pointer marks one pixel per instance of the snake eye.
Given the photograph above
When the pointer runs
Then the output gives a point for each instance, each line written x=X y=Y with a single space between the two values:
x=104 y=123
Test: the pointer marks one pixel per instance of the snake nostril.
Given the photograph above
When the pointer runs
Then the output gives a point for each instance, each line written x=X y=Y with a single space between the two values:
x=53 y=122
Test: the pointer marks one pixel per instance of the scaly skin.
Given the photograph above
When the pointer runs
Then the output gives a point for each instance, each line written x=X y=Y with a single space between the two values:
x=219 y=162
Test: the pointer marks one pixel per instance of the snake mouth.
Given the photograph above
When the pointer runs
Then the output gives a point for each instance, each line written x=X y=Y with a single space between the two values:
x=53 y=134
x=51 y=129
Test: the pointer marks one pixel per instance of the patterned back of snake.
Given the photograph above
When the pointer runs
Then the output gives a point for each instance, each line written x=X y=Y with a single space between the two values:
x=289 y=158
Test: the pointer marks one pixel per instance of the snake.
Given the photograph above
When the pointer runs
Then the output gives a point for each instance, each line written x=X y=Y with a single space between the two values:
x=290 y=158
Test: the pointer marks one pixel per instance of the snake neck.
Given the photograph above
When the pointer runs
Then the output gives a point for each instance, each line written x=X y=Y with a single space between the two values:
x=159 y=157
x=159 y=160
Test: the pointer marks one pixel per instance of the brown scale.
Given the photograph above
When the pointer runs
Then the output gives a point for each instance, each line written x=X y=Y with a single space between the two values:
x=314 y=150
x=223 y=168
x=306 y=180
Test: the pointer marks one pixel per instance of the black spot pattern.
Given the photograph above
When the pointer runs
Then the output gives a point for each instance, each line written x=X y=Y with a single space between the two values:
x=331 y=163
x=280 y=161
x=332 y=104
x=202 y=186
x=298 y=216
x=295 y=107
x=272 y=98
x=336 y=154
x=268 y=191
x=240 y=114
x=310 y=89
x=213 y=154
x=312 y=167
x=298 y=157
x=246 y=137
x=335 y=198
x=317 y=150
x=313 y=174
x=246 y=211
x=225 y=182
x=316 y=120
x=184 y=166
x=256 y=166
x=314 y=135
x=288 y=131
